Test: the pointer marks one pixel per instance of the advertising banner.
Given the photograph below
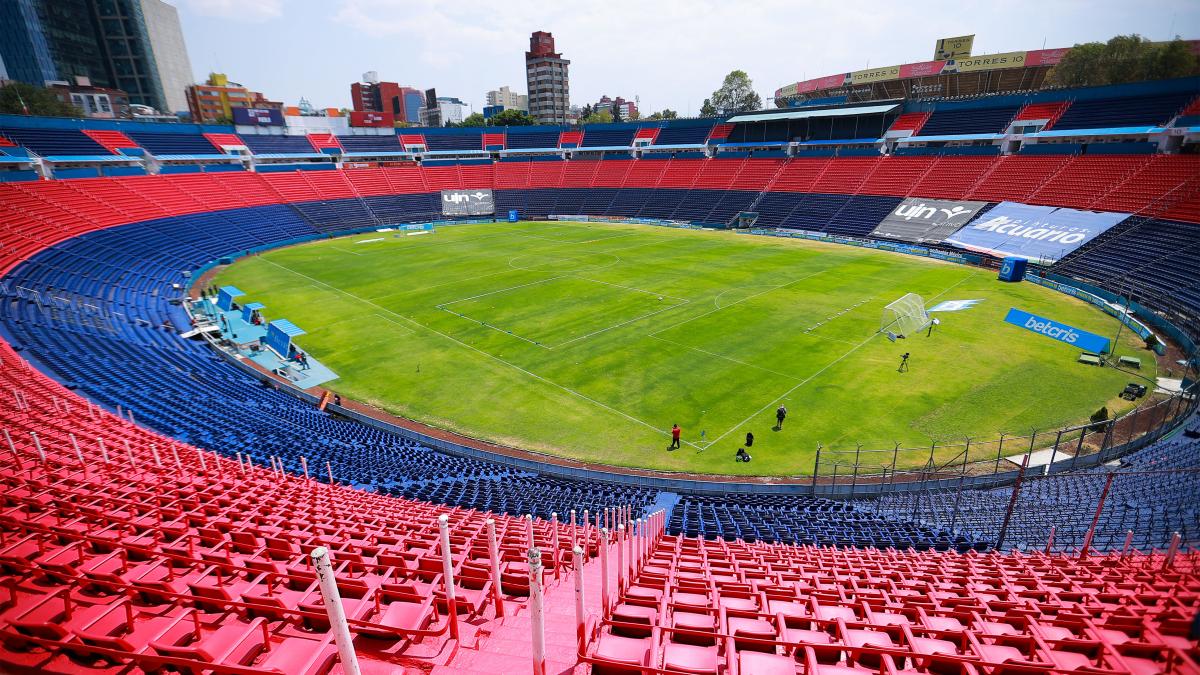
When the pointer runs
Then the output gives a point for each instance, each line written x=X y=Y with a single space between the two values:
x=923 y=69
x=875 y=75
x=467 y=202
x=264 y=117
x=1046 y=57
x=926 y=220
x=1089 y=342
x=953 y=47
x=1039 y=233
x=371 y=119
x=827 y=82
x=971 y=64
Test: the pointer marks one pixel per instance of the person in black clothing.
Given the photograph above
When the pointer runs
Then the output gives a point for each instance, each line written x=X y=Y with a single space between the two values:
x=742 y=456
x=779 y=416
x=337 y=399
x=749 y=439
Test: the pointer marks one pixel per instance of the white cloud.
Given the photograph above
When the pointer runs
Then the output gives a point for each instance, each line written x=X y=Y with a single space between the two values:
x=250 y=11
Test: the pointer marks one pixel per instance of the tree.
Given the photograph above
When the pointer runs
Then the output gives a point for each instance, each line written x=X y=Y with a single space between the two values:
x=1124 y=58
x=634 y=115
x=707 y=109
x=587 y=111
x=668 y=114
x=18 y=98
x=512 y=118
x=473 y=120
x=602 y=117
x=616 y=113
x=736 y=94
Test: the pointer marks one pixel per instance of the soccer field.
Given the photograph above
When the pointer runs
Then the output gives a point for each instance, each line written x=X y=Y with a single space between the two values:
x=589 y=340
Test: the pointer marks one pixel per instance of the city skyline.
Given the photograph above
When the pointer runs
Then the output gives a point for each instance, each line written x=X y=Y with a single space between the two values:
x=462 y=55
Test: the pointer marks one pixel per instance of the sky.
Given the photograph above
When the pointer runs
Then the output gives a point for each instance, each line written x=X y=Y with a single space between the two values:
x=669 y=53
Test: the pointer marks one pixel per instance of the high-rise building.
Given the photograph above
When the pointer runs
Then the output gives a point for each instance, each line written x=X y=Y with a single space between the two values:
x=508 y=99
x=547 y=79
x=452 y=110
x=42 y=41
x=626 y=109
x=170 y=53
x=215 y=100
x=371 y=95
x=133 y=45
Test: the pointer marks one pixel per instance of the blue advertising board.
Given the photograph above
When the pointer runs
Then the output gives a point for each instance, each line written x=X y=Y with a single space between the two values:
x=1054 y=330
x=513 y=215
x=1040 y=233
x=261 y=117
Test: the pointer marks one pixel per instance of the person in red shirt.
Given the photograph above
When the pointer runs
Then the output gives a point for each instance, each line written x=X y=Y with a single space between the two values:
x=675 y=431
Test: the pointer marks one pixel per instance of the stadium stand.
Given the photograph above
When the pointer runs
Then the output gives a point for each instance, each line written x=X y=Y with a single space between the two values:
x=176 y=144
x=261 y=144
x=112 y=141
x=1154 y=493
x=1142 y=111
x=1049 y=111
x=161 y=555
x=599 y=136
x=945 y=122
x=322 y=142
x=54 y=142
x=910 y=122
x=532 y=139
x=386 y=143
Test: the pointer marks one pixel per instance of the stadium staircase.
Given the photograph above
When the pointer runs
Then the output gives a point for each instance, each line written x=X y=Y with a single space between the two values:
x=322 y=142
x=1048 y=112
x=225 y=142
x=113 y=141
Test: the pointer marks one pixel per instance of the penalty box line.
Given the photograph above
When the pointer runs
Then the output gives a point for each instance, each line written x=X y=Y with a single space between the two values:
x=827 y=367
x=493 y=357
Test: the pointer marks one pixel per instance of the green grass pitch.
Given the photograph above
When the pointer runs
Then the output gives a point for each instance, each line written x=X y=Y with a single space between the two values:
x=589 y=340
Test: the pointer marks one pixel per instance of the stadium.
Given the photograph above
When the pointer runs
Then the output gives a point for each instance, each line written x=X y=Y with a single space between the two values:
x=401 y=400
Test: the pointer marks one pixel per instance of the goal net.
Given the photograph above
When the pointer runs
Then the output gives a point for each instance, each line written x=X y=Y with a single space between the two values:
x=905 y=316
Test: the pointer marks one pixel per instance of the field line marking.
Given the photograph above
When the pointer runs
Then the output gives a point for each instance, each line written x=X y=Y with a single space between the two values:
x=510 y=288
x=801 y=384
x=632 y=288
x=736 y=302
x=495 y=358
x=722 y=356
x=409 y=331
x=827 y=367
x=339 y=248
x=410 y=291
x=495 y=328
x=636 y=318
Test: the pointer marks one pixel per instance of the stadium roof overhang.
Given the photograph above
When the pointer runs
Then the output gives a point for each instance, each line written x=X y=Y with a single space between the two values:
x=805 y=114
x=950 y=137
x=1114 y=131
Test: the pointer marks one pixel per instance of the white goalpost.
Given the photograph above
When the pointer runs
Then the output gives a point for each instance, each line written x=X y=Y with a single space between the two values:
x=906 y=316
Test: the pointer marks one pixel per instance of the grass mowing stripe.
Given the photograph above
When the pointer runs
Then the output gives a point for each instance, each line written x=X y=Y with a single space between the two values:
x=609 y=398
x=480 y=351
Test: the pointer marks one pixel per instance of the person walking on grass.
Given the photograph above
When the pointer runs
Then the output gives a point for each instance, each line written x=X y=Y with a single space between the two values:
x=779 y=417
x=675 y=431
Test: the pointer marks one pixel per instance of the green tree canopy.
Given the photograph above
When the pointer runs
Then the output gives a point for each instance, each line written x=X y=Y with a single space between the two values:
x=602 y=117
x=473 y=120
x=1124 y=58
x=707 y=109
x=736 y=94
x=512 y=118
x=18 y=98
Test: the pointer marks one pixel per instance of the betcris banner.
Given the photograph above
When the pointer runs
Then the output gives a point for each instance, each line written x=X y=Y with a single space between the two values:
x=1038 y=233
x=1088 y=342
